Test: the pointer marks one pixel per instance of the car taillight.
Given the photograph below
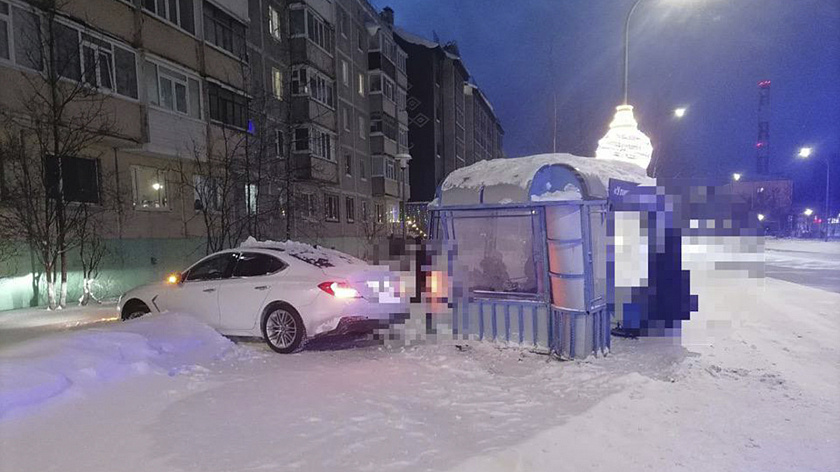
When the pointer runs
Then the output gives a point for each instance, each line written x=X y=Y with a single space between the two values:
x=339 y=289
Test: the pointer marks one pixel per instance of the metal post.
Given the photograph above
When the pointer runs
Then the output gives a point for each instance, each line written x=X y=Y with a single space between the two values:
x=402 y=196
x=627 y=46
x=827 y=189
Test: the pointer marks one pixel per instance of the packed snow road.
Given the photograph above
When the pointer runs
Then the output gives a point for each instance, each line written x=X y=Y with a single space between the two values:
x=166 y=393
x=808 y=262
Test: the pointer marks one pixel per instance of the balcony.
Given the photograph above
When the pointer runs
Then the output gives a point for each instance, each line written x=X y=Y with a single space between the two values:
x=309 y=167
x=383 y=186
x=305 y=110
x=304 y=51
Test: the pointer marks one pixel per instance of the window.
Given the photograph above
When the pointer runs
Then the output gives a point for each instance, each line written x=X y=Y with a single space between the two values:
x=214 y=268
x=207 y=192
x=274 y=23
x=364 y=210
x=5 y=22
x=250 y=264
x=350 y=208
x=375 y=82
x=318 y=142
x=403 y=138
x=331 y=207
x=301 y=139
x=343 y=24
x=277 y=83
x=300 y=86
x=362 y=169
x=251 y=191
x=227 y=106
x=345 y=73
x=390 y=170
x=319 y=87
x=314 y=27
x=27 y=38
x=380 y=213
x=222 y=30
x=348 y=164
x=149 y=188
x=361 y=39
x=172 y=90
x=362 y=130
x=79 y=178
x=279 y=144
x=388 y=88
x=310 y=205
x=179 y=12
x=361 y=84
x=345 y=118
x=401 y=61
x=401 y=99
x=384 y=124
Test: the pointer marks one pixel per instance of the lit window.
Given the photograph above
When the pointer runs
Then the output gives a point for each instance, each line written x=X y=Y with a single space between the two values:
x=361 y=84
x=251 y=198
x=345 y=73
x=149 y=188
x=277 y=83
x=362 y=131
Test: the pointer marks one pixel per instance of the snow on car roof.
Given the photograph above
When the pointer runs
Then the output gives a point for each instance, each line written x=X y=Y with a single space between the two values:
x=318 y=256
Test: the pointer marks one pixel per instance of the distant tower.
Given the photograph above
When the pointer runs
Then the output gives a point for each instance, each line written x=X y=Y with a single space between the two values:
x=762 y=145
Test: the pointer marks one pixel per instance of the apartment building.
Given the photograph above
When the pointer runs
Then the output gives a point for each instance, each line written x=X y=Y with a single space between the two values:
x=285 y=116
x=451 y=123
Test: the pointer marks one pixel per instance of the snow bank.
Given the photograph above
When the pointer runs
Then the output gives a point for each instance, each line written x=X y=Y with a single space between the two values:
x=316 y=255
x=34 y=372
x=520 y=171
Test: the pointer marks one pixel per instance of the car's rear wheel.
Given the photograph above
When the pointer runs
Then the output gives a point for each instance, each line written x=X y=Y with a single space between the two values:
x=282 y=329
x=134 y=309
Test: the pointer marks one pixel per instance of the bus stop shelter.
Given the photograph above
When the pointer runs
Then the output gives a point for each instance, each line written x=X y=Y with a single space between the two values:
x=527 y=241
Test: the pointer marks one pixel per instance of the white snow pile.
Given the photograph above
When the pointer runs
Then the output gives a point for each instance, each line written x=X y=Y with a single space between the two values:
x=569 y=192
x=316 y=255
x=520 y=171
x=78 y=362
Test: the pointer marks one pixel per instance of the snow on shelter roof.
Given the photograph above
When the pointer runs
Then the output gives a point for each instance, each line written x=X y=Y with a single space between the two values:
x=532 y=178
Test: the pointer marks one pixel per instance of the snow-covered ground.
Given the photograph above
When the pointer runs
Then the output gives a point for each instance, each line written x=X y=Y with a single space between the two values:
x=165 y=393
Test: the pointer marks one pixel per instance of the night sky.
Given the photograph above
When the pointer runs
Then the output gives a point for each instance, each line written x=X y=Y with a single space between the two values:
x=708 y=55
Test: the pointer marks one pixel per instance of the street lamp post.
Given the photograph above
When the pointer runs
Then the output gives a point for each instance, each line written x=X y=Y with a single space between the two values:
x=627 y=46
x=805 y=153
x=403 y=159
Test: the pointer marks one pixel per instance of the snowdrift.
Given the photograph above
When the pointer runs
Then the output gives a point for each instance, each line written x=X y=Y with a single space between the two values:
x=35 y=372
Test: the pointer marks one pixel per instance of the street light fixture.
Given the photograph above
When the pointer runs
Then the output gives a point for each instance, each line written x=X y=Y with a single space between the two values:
x=806 y=152
x=679 y=112
x=403 y=160
x=808 y=212
x=760 y=217
x=736 y=176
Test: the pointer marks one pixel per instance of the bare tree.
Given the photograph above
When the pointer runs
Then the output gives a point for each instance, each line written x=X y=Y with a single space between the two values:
x=61 y=116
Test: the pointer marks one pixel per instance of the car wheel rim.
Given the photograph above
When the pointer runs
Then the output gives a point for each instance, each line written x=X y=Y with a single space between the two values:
x=281 y=328
x=135 y=314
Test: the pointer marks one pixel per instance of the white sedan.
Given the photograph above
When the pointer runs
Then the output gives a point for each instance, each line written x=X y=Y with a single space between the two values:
x=282 y=292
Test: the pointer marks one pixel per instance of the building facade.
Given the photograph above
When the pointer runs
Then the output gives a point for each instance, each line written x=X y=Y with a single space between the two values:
x=451 y=123
x=215 y=120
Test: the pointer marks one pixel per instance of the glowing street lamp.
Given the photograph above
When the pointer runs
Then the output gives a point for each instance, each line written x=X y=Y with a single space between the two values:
x=760 y=217
x=736 y=176
x=805 y=153
x=679 y=112
x=808 y=212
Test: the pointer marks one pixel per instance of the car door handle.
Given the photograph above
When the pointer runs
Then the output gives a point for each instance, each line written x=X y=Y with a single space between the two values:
x=261 y=287
x=209 y=290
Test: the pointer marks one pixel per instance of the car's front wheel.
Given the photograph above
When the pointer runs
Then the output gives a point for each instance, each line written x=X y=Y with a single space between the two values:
x=134 y=309
x=282 y=329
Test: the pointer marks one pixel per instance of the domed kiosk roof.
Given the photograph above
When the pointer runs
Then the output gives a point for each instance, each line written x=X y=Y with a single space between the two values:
x=543 y=177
